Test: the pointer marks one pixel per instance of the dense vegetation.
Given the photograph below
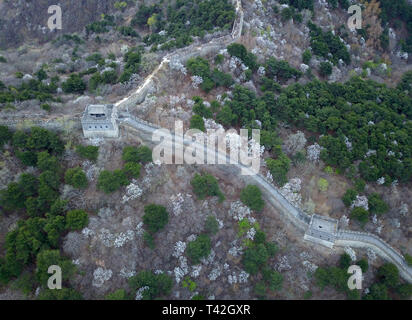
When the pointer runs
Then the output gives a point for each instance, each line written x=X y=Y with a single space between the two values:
x=182 y=20
x=36 y=239
x=354 y=118
x=387 y=283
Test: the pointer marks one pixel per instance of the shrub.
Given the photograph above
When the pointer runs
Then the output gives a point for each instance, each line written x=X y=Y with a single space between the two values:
x=255 y=258
x=363 y=264
x=132 y=169
x=211 y=225
x=141 y=154
x=149 y=240
x=46 y=258
x=376 y=204
x=349 y=197
x=199 y=248
x=360 y=214
x=345 y=261
x=46 y=107
x=197 y=122
x=408 y=259
x=306 y=56
x=88 y=152
x=74 y=84
x=252 y=197
x=325 y=69
x=155 y=217
x=119 y=294
x=206 y=185
x=76 y=178
x=388 y=274
x=76 y=219
x=159 y=284
x=62 y=294
x=323 y=185
x=109 y=181
x=360 y=185
x=273 y=278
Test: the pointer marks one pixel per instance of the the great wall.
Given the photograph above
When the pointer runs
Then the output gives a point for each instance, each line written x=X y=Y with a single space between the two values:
x=145 y=130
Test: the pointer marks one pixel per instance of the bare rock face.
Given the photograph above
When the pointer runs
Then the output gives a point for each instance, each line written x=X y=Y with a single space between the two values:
x=22 y=21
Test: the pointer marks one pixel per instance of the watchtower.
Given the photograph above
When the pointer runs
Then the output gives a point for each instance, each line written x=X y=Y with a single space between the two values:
x=100 y=121
x=322 y=230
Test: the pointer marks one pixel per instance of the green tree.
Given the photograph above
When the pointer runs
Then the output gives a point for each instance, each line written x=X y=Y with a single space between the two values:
x=252 y=197
x=119 y=294
x=62 y=294
x=376 y=204
x=199 y=248
x=349 y=197
x=325 y=69
x=47 y=258
x=255 y=258
x=388 y=274
x=109 y=181
x=360 y=214
x=88 y=152
x=132 y=169
x=76 y=219
x=197 y=122
x=76 y=178
x=155 y=217
x=158 y=284
x=74 y=84
x=206 y=185
x=211 y=225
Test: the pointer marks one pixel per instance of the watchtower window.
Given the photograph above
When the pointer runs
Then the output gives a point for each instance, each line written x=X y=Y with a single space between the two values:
x=98 y=115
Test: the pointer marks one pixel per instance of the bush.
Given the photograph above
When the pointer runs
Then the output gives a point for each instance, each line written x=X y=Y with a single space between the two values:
x=206 y=185
x=274 y=279
x=408 y=259
x=141 y=154
x=360 y=214
x=197 y=122
x=349 y=197
x=76 y=178
x=252 y=197
x=47 y=258
x=279 y=168
x=88 y=152
x=132 y=169
x=376 y=204
x=76 y=219
x=211 y=225
x=119 y=294
x=255 y=258
x=155 y=217
x=388 y=274
x=345 y=261
x=74 y=84
x=62 y=294
x=199 y=248
x=149 y=240
x=159 y=284
x=323 y=185
x=325 y=69
x=109 y=181
x=306 y=56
